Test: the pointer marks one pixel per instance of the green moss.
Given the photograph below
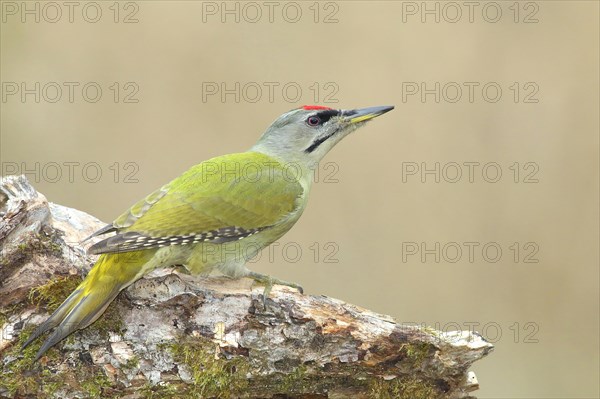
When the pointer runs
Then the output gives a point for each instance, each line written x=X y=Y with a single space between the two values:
x=211 y=377
x=110 y=321
x=95 y=385
x=5 y=313
x=407 y=387
x=402 y=388
x=40 y=243
x=417 y=353
x=130 y=364
x=296 y=381
x=16 y=255
x=51 y=383
x=22 y=377
x=18 y=376
x=54 y=292
x=161 y=391
x=10 y=310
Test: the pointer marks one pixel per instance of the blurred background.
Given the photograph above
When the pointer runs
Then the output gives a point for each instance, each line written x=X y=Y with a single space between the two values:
x=473 y=205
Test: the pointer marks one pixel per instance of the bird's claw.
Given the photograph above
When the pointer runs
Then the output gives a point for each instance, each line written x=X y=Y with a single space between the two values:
x=269 y=282
x=266 y=292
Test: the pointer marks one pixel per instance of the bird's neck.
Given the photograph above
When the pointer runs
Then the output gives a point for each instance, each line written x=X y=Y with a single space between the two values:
x=297 y=167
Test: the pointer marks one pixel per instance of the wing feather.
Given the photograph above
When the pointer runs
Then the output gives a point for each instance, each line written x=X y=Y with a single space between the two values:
x=224 y=199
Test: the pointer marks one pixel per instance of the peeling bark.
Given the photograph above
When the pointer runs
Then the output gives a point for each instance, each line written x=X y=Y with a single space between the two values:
x=171 y=334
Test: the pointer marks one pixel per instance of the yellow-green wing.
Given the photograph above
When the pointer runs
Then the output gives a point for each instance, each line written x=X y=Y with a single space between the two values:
x=222 y=199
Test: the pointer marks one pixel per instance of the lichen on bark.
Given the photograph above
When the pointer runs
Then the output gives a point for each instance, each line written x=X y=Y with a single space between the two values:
x=171 y=334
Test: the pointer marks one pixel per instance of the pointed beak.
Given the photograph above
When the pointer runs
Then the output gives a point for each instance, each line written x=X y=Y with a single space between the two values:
x=365 y=114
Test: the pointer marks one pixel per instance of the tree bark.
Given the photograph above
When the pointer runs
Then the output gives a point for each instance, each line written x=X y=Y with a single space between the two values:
x=171 y=334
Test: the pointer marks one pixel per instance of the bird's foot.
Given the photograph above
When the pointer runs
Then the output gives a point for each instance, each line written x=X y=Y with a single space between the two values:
x=181 y=269
x=269 y=282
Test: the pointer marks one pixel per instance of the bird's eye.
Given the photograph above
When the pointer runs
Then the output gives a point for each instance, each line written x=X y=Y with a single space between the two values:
x=313 y=121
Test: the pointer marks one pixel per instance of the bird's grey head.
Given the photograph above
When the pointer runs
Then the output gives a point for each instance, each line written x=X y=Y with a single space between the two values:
x=307 y=133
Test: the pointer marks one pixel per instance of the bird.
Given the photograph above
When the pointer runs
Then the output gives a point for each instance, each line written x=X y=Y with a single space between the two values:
x=216 y=216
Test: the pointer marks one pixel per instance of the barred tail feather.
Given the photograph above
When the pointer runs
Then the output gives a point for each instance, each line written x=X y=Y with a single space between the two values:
x=110 y=274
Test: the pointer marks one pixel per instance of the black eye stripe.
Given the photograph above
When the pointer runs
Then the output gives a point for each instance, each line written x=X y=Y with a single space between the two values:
x=327 y=114
x=324 y=116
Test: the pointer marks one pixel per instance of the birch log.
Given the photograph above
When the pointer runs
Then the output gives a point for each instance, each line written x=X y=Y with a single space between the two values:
x=171 y=334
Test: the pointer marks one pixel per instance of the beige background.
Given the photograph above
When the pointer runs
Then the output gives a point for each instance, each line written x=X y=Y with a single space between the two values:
x=369 y=212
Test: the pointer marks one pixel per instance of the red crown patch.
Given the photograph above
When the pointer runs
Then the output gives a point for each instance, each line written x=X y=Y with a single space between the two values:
x=314 y=107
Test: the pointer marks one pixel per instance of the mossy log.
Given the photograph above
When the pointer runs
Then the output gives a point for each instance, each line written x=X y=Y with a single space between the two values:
x=171 y=334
